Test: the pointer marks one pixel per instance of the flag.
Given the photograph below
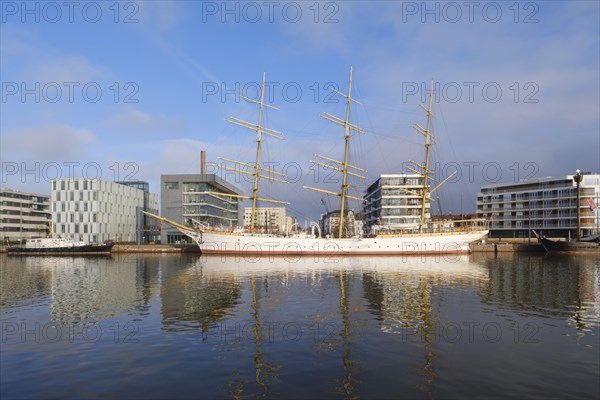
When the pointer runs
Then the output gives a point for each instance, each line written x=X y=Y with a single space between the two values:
x=592 y=205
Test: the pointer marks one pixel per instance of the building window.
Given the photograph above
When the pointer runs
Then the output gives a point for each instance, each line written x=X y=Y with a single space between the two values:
x=172 y=185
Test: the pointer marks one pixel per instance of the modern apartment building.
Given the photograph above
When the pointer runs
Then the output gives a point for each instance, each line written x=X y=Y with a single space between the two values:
x=268 y=219
x=392 y=202
x=546 y=205
x=95 y=210
x=23 y=215
x=190 y=197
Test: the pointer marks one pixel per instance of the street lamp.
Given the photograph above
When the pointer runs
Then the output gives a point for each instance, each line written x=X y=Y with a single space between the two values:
x=577 y=179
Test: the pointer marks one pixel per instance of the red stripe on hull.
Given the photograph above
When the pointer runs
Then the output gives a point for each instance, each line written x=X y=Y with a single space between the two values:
x=333 y=253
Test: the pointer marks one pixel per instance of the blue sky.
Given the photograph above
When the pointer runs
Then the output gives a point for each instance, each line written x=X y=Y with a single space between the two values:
x=518 y=89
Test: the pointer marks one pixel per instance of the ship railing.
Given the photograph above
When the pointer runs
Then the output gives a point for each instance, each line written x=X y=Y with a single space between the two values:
x=443 y=227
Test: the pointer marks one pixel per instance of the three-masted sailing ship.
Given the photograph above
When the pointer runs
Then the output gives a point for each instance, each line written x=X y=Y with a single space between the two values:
x=429 y=238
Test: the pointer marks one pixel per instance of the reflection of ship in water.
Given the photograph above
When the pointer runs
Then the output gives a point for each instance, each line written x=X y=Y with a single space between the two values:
x=392 y=285
x=565 y=286
x=404 y=302
x=191 y=297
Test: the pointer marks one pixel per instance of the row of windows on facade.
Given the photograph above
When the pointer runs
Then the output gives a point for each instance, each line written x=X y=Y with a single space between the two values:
x=22 y=196
x=20 y=220
x=561 y=223
x=92 y=184
x=25 y=213
x=188 y=186
x=91 y=228
x=208 y=219
x=546 y=204
x=398 y=181
x=397 y=220
x=40 y=207
x=396 y=192
x=546 y=194
x=395 y=202
x=93 y=196
x=563 y=216
x=101 y=207
x=545 y=209
x=204 y=199
x=92 y=217
x=401 y=211
x=38 y=229
x=201 y=211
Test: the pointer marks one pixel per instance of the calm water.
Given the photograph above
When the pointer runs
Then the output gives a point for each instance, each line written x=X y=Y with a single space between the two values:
x=171 y=326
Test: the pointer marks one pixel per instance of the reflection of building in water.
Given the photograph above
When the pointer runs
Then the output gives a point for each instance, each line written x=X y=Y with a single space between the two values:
x=95 y=289
x=22 y=279
x=189 y=296
x=81 y=288
x=562 y=286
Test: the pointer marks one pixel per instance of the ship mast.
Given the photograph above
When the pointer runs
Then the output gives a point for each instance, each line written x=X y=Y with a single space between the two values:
x=255 y=169
x=342 y=166
x=428 y=142
x=423 y=169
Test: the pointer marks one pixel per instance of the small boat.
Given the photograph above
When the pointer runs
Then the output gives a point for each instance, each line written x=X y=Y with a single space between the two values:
x=59 y=246
x=575 y=246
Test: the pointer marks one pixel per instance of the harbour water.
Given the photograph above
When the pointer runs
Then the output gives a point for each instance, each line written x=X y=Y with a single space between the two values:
x=188 y=326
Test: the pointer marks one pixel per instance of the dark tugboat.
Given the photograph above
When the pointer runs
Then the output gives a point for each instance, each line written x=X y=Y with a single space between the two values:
x=59 y=247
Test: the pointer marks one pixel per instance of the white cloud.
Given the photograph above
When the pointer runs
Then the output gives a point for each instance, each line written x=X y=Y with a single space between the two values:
x=66 y=68
x=134 y=120
x=46 y=143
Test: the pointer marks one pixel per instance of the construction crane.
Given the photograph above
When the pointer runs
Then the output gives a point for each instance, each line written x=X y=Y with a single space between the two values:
x=325 y=205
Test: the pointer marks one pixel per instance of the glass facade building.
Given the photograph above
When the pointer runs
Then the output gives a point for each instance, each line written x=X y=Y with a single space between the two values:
x=190 y=197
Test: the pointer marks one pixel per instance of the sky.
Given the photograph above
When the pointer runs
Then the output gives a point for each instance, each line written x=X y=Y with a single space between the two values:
x=132 y=90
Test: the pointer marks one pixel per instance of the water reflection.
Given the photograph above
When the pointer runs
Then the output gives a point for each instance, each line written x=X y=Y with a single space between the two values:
x=564 y=286
x=23 y=281
x=354 y=327
x=80 y=289
x=193 y=298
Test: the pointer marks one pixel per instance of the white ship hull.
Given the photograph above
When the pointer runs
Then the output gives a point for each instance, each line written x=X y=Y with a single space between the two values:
x=266 y=245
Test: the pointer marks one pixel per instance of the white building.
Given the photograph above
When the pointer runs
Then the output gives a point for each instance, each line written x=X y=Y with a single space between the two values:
x=268 y=219
x=546 y=205
x=97 y=210
x=23 y=215
x=392 y=202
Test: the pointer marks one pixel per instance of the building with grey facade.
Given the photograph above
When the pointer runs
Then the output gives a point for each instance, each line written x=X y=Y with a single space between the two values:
x=94 y=210
x=23 y=215
x=190 y=197
x=546 y=205
x=147 y=227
